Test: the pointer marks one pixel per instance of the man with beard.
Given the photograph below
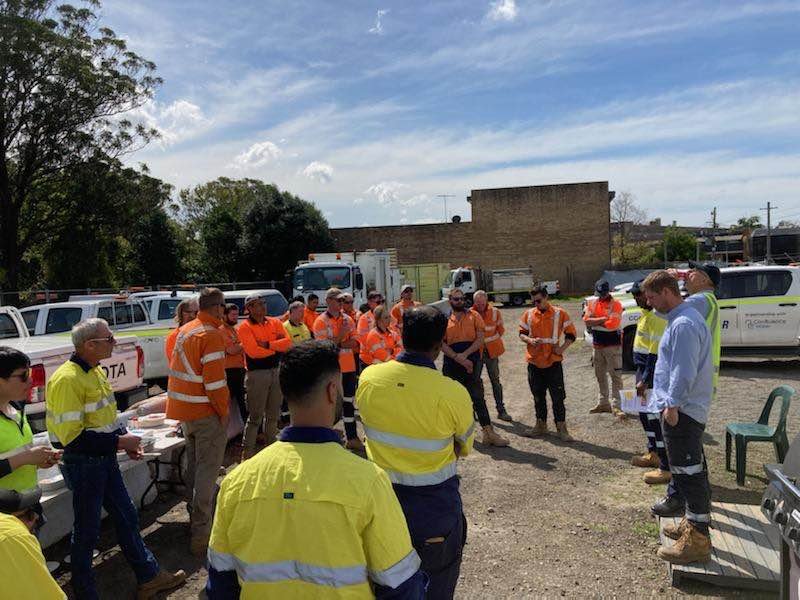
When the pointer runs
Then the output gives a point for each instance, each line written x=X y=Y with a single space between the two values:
x=462 y=360
x=418 y=423
x=336 y=526
x=234 y=358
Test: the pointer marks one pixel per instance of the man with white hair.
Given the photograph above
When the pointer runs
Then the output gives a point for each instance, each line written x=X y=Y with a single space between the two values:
x=82 y=419
x=493 y=347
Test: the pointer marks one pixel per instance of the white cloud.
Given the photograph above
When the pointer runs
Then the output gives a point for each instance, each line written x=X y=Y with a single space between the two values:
x=377 y=29
x=387 y=192
x=319 y=171
x=503 y=10
x=175 y=122
x=257 y=155
x=358 y=201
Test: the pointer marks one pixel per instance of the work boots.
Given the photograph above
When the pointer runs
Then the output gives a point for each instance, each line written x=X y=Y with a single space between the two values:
x=603 y=406
x=492 y=438
x=657 y=477
x=674 y=532
x=164 y=580
x=563 y=433
x=692 y=546
x=648 y=460
x=540 y=428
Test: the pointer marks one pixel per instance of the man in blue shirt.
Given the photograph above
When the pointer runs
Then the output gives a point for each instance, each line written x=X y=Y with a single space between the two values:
x=682 y=389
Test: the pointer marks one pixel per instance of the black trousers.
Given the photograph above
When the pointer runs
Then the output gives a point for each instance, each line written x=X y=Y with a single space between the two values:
x=349 y=382
x=548 y=379
x=235 y=379
x=471 y=381
x=687 y=463
x=441 y=561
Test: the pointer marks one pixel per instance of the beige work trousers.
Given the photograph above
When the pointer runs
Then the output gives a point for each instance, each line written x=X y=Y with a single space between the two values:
x=263 y=399
x=608 y=363
x=205 y=451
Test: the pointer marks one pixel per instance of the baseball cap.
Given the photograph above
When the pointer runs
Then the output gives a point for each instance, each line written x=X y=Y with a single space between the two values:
x=636 y=288
x=709 y=269
x=12 y=501
x=602 y=286
x=406 y=287
x=252 y=298
x=333 y=293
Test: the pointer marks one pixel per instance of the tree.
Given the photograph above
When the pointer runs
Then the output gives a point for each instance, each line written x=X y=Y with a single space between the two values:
x=681 y=246
x=626 y=214
x=220 y=240
x=786 y=223
x=65 y=84
x=747 y=224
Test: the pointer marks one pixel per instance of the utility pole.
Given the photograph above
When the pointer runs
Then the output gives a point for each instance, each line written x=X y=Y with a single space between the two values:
x=714 y=234
x=445 y=197
x=769 y=208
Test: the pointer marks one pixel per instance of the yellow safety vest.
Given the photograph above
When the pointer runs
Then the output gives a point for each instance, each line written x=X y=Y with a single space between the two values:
x=297 y=333
x=22 y=567
x=310 y=521
x=649 y=330
x=78 y=400
x=714 y=325
x=16 y=437
x=413 y=416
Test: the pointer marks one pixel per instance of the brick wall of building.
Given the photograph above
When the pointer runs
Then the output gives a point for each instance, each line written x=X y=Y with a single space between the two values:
x=562 y=231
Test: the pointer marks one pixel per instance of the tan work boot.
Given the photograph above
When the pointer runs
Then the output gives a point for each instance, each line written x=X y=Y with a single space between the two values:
x=691 y=547
x=354 y=444
x=539 y=429
x=563 y=433
x=492 y=438
x=602 y=407
x=649 y=460
x=163 y=581
x=657 y=477
x=674 y=532
x=198 y=546
x=621 y=415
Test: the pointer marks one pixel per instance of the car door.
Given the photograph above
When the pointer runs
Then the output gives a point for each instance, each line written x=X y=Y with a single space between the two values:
x=767 y=314
x=728 y=293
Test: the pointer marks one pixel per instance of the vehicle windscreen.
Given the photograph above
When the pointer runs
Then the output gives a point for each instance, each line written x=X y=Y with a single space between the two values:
x=276 y=305
x=321 y=278
x=166 y=308
x=62 y=319
x=7 y=327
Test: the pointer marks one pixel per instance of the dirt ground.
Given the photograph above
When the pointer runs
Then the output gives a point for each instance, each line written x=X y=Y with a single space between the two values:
x=545 y=518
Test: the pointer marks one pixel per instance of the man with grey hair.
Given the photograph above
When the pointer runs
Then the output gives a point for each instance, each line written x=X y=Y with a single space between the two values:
x=492 y=347
x=82 y=419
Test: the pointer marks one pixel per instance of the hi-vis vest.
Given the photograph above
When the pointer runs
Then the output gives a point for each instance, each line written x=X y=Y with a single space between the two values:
x=649 y=330
x=77 y=400
x=379 y=347
x=412 y=416
x=329 y=535
x=16 y=437
x=715 y=327
x=327 y=327
x=494 y=330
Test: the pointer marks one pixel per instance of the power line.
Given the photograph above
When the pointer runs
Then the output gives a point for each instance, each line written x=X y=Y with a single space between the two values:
x=769 y=208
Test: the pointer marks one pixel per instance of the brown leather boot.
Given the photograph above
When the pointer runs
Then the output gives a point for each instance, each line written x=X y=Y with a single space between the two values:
x=649 y=460
x=602 y=407
x=657 y=477
x=691 y=547
x=492 y=438
x=563 y=433
x=164 y=580
x=674 y=532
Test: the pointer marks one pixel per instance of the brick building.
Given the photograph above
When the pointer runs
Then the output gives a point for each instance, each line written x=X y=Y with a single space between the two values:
x=562 y=231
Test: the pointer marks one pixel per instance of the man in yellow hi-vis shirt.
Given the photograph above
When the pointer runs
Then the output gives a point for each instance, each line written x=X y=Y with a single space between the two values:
x=418 y=422
x=304 y=518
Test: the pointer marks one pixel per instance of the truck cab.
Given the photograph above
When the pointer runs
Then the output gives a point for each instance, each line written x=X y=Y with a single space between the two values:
x=59 y=317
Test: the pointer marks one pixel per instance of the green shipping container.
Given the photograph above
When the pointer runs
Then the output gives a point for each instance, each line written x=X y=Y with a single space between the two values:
x=427 y=278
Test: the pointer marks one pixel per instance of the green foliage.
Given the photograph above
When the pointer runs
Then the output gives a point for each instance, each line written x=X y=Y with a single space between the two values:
x=747 y=224
x=681 y=246
x=632 y=255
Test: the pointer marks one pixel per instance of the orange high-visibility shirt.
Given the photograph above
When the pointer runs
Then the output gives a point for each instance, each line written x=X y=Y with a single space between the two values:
x=379 y=347
x=464 y=329
x=270 y=330
x=309 y=316
x=327 y=327
x=366 y=323
x=398 y=309
x=494 y=330
x=549 y=325
x=197 y=387
x=354 y=316
x=607 y=334
x=232 y=361
x=169 y=344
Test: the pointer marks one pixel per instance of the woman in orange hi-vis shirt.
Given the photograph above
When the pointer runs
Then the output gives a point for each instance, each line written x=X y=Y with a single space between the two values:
x=381 y=343
x=185 y=311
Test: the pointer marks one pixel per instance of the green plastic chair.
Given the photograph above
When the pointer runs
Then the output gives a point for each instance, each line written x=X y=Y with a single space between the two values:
x=744 y=433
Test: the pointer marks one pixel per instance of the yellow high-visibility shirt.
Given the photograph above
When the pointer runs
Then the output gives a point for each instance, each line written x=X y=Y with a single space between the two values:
x=78 y=400
x=307 y=519
x=416 y=419
x=649 y=330
x=23 y=570
x=297 y=333
x=16 y=437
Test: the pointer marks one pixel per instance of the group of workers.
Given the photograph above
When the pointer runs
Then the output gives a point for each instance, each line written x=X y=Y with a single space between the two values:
x=306 y=518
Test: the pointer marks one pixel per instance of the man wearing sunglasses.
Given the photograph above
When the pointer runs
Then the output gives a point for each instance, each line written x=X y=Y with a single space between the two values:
x=82 y=419
x=542 y=328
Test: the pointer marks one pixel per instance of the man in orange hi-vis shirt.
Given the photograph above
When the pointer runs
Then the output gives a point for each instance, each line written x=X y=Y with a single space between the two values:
x=264 y=340
x=336 y=326
x=406 y=301
x=197 y=396
x=604 y=316
x=493 y=347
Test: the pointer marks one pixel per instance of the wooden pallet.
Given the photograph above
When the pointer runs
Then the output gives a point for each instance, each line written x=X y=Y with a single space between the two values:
x=745 y=550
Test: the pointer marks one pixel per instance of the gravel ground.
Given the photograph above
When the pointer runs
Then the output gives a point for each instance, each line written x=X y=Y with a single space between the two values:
x=546 y=518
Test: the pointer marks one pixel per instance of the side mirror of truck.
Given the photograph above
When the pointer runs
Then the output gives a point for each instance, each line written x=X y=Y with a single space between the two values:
x=359 y=281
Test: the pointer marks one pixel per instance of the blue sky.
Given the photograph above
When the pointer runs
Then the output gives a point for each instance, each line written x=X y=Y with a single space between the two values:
x=373 y=109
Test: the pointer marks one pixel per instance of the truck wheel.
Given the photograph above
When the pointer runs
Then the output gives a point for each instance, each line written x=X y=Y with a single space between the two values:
x=517 y=300
x=627 y=348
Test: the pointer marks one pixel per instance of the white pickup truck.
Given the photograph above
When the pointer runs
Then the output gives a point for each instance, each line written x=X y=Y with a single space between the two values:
x=759 y=314
x=124 y=368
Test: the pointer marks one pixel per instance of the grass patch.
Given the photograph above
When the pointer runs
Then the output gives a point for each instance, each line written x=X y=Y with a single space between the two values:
x=646 y=529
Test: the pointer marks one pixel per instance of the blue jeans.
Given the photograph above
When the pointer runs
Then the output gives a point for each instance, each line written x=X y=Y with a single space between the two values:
x=96 y=483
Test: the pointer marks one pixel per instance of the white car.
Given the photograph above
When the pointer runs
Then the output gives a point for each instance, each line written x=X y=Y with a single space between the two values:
x=759 y=313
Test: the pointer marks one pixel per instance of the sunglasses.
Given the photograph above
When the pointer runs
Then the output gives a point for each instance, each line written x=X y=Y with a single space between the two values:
x=456 y=299
x=347 y=301
x=109 y=339
x=23 y=377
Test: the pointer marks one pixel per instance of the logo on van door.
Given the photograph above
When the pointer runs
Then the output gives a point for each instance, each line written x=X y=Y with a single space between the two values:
x=114 y=371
